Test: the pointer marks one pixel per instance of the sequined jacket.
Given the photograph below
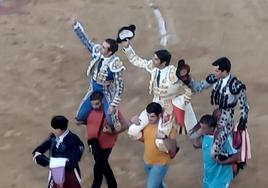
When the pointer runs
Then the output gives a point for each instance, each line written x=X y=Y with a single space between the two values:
x=232 y=93
x=110 y=77
x=169 y=87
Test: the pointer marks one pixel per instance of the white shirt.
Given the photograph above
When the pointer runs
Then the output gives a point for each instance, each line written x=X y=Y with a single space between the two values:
x=60 y=138
x=105 y=61
x=224 y=82
x=104 y=65
x=163 y=74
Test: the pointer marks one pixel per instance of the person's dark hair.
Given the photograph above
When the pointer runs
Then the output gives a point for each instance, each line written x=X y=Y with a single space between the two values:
x=223 y=63
x=113 y=45
x=96 y=95
x=59 y=122
x=208 y=120
x=154 y=107
x=164 y=56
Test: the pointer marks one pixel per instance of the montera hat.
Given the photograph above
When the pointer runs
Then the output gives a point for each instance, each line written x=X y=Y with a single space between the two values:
x=126 y=32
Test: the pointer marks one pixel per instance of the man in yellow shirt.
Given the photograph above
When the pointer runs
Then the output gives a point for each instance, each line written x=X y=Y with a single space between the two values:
x=155 y=161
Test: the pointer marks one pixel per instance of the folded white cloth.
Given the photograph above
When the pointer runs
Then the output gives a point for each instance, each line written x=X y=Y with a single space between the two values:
x=57 y=162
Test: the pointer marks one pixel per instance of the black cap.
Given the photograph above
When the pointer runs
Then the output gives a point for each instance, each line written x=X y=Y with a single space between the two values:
x=59 y=122
x=126 y=32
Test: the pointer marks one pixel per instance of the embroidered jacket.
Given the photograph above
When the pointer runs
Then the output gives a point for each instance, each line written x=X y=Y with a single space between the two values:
x=167 y=87
x=109 y=75
x=226 y=97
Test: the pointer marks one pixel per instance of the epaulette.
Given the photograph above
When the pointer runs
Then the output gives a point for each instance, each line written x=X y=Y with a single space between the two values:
x=116 y=65
x=236 y=86
x=211 y=79
x=150 y=66
x=172 y=74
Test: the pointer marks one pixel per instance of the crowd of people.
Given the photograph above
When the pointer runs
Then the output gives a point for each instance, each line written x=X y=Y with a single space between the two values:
x=225 y=145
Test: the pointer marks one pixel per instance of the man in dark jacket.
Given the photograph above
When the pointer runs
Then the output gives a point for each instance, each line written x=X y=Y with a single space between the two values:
x=65 y=151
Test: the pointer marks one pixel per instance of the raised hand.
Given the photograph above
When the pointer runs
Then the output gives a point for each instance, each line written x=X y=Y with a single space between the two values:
x=125 y=43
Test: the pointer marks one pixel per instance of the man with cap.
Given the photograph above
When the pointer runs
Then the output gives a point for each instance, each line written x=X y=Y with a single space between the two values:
x=167 y=90
x=105 y=73
x=227 y=91
x=65 y=151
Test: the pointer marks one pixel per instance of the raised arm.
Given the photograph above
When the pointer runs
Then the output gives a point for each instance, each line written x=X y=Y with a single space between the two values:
x=135 y=59
x=183 y=74
x=199 y=86
x=80 y=32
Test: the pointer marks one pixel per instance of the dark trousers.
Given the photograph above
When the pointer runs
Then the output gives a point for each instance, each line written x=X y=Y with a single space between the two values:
x=102 y=167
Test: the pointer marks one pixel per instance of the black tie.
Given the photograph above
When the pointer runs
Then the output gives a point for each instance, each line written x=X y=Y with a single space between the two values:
x=100 y=64
x=220 y=83
x=158 y=78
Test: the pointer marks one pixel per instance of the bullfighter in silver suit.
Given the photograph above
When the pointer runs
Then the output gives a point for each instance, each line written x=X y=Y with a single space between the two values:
x=227 y=91
x=105 y=74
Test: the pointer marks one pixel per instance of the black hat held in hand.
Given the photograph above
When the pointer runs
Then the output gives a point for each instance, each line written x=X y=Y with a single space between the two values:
x=126 y=32
x=42 y=160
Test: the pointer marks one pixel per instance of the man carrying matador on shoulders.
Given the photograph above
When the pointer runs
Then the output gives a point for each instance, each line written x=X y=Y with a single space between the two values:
x=167 y=89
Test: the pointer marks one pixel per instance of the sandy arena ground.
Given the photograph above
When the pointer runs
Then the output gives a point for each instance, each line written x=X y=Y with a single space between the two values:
x=43 y=68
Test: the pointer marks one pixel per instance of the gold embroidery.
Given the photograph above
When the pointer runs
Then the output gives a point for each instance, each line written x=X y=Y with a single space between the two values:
x=117 y=65
x=150 y=66
x=172 y=74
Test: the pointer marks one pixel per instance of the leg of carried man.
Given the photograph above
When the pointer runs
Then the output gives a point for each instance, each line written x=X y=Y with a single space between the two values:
x=84 y=108
x=134 y=131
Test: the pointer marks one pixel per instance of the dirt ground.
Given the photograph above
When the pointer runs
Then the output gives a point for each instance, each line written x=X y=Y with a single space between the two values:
x=43 y=68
